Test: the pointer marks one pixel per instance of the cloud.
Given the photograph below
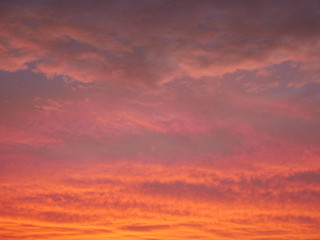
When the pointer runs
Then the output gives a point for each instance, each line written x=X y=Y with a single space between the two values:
x=189 y=198
x=308 y=177
x=150 y=44
x=159 y=119
x=144 y=228
x=187 y=191
x=38 y=231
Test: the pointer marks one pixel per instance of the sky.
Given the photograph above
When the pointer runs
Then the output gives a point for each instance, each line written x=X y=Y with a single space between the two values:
x=159 y=119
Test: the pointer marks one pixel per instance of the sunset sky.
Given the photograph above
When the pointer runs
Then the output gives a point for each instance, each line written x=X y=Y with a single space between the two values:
x=159 y=120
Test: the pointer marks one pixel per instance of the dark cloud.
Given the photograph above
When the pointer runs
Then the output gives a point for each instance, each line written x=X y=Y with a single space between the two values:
x=144 y=228
x=147 y=43
x=308 y=177
x=187 y=191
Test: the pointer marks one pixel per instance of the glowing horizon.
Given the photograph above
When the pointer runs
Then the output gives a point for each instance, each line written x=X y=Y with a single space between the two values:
x=151 y=120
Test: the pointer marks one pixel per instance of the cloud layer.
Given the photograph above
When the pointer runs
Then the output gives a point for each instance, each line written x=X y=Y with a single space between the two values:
x=159 y=120
x=150 y=43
